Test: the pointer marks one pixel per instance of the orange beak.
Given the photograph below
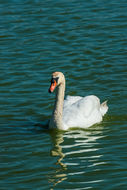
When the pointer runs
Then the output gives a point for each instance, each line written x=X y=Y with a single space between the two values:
x=52 y=86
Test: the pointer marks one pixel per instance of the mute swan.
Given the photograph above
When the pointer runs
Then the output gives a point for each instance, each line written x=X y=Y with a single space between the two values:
x=75 y=111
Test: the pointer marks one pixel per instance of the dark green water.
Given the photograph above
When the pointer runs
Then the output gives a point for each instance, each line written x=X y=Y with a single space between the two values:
x=87 y=41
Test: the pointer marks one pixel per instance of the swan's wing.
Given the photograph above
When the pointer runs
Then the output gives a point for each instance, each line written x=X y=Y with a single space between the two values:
x=83 y=112
x=87 y=105
x=71 y=100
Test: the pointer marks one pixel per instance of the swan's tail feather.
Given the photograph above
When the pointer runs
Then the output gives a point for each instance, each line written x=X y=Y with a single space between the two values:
x=104 y=108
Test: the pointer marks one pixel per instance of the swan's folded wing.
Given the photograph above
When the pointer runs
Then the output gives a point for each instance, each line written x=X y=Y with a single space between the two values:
x=85 y=106
x=80 y=112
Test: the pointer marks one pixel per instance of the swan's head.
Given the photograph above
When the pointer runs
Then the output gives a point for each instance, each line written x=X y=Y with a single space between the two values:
x=56 y=80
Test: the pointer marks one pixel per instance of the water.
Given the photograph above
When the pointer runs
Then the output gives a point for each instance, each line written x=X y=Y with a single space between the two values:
x=87 y=41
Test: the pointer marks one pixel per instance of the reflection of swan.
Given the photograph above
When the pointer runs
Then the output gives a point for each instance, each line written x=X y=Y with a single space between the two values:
x=59 y=173
x=75 y=111
x=57 y=149
x=74 y=150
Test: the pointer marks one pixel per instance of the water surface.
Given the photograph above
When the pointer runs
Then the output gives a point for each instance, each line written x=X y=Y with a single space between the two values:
x=87 y=41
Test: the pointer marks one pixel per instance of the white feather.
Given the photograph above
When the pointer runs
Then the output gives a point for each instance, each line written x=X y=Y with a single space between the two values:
x=82 y=111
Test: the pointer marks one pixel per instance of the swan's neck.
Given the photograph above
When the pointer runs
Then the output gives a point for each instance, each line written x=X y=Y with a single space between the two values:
x=56 y=119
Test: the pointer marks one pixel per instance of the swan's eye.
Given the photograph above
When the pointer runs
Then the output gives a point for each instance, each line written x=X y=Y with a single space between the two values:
x=53 y=80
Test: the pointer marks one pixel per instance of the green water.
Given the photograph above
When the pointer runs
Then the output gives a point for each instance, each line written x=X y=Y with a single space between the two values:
x=87 y=41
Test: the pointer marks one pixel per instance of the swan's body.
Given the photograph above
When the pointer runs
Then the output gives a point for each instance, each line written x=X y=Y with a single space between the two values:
x=75 y=111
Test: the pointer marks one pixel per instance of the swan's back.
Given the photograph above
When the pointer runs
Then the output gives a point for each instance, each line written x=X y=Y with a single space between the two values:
x=82 y=111
x=71 y=100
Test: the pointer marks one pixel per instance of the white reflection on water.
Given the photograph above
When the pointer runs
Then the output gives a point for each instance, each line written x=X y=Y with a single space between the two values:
x=74 y=148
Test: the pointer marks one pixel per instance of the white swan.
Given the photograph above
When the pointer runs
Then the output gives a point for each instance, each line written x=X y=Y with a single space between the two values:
x=75 y=111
